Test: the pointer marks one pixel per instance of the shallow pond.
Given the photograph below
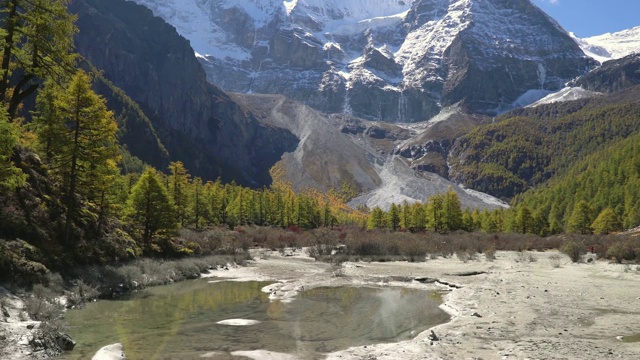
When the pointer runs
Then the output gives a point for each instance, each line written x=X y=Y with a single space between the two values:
x=179 y=321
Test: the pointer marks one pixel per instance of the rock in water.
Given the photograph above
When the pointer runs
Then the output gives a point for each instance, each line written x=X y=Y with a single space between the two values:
x=110 y=352
x=65 y=342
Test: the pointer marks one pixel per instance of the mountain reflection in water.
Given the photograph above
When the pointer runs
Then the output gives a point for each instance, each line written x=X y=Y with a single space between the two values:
x=179 y=321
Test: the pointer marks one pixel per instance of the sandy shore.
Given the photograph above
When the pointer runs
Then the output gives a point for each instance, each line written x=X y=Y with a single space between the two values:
x=510 y=309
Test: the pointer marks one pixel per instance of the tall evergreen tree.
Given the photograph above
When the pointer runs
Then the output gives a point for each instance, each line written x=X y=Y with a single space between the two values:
x=79 y=134
x=452 y=211
x=376 y=219
x=37 y=40
x=580 y=220
x=435 y=214
x=393 y=217
x=606 y=222
x=178 y=189
x=149 y=207
x=524 y=222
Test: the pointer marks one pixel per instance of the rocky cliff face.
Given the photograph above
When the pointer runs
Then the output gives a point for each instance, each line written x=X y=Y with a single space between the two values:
x=397 y=61
x=612 y=76
x=198 y=123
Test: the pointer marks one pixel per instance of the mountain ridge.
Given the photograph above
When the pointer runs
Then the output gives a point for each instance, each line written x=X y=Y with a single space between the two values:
x=399 y=61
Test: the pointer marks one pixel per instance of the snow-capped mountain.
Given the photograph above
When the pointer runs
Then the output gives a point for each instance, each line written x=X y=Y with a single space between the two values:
x=390 y=60
x=611 y=46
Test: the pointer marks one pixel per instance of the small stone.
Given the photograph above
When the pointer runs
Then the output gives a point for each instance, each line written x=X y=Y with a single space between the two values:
x=65 y=341
x=30 y=326
x=476 y=315
x=433 y=336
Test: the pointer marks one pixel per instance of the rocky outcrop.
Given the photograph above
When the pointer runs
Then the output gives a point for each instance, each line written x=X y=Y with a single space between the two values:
x=400 y=61
x=613 y=75
x=197 y=122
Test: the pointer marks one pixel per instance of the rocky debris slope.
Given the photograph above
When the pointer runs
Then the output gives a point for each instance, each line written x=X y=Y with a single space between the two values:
x=369 y=157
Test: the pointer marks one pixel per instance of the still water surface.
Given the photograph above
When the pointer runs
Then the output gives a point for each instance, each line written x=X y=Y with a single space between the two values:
x=179 y=321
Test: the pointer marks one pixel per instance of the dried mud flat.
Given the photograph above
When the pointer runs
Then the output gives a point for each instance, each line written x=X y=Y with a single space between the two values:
x=508 y=308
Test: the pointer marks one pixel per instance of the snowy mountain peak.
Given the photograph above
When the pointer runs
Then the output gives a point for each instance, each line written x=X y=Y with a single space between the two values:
x=611 y=46
x=390 y=60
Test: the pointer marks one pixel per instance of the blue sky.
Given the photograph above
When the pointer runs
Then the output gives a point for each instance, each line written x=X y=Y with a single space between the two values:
x=587 y=18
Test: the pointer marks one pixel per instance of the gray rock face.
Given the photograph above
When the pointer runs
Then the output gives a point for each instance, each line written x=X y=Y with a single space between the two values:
x=613 y=75
x=398 y=61
x=197 y=122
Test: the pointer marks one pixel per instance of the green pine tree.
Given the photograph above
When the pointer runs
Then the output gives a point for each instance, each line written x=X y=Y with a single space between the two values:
x=150 y=208
x=38 y=41
x=606 y=222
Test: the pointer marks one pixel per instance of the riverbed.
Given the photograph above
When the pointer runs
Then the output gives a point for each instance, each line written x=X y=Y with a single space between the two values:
x=509 y=308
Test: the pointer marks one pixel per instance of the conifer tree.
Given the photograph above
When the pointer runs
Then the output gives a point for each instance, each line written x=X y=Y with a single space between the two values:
x=606 y=222
x=524 y=222
x=149 y=207
x=178 y=189
x=198 y=208
x=405 y=215
x=580 y=220
x=376 y=219
x=393 y=217
x=37 y=40
x=419 y=221
x=452 y=211
x=435 y=214
x=78 y=134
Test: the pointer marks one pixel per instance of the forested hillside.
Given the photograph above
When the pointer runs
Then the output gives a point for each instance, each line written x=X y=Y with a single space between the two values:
x=71 y=193
x=529 y=146
x=600 y=193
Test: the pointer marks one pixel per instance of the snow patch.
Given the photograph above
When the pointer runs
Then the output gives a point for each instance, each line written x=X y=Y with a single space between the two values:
x=566 y=94
x=611 y=46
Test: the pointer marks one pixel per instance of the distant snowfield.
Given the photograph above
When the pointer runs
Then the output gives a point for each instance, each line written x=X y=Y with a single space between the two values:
x=611 y=46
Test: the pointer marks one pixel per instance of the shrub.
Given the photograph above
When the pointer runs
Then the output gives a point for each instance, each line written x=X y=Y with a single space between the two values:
x=526 y=257
x=573 y=249
x=466 y=255
x=42 y=305
x=555 y=260
x=414 y=250
x=621 y=251
x=81 y=293
x=490 y=253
